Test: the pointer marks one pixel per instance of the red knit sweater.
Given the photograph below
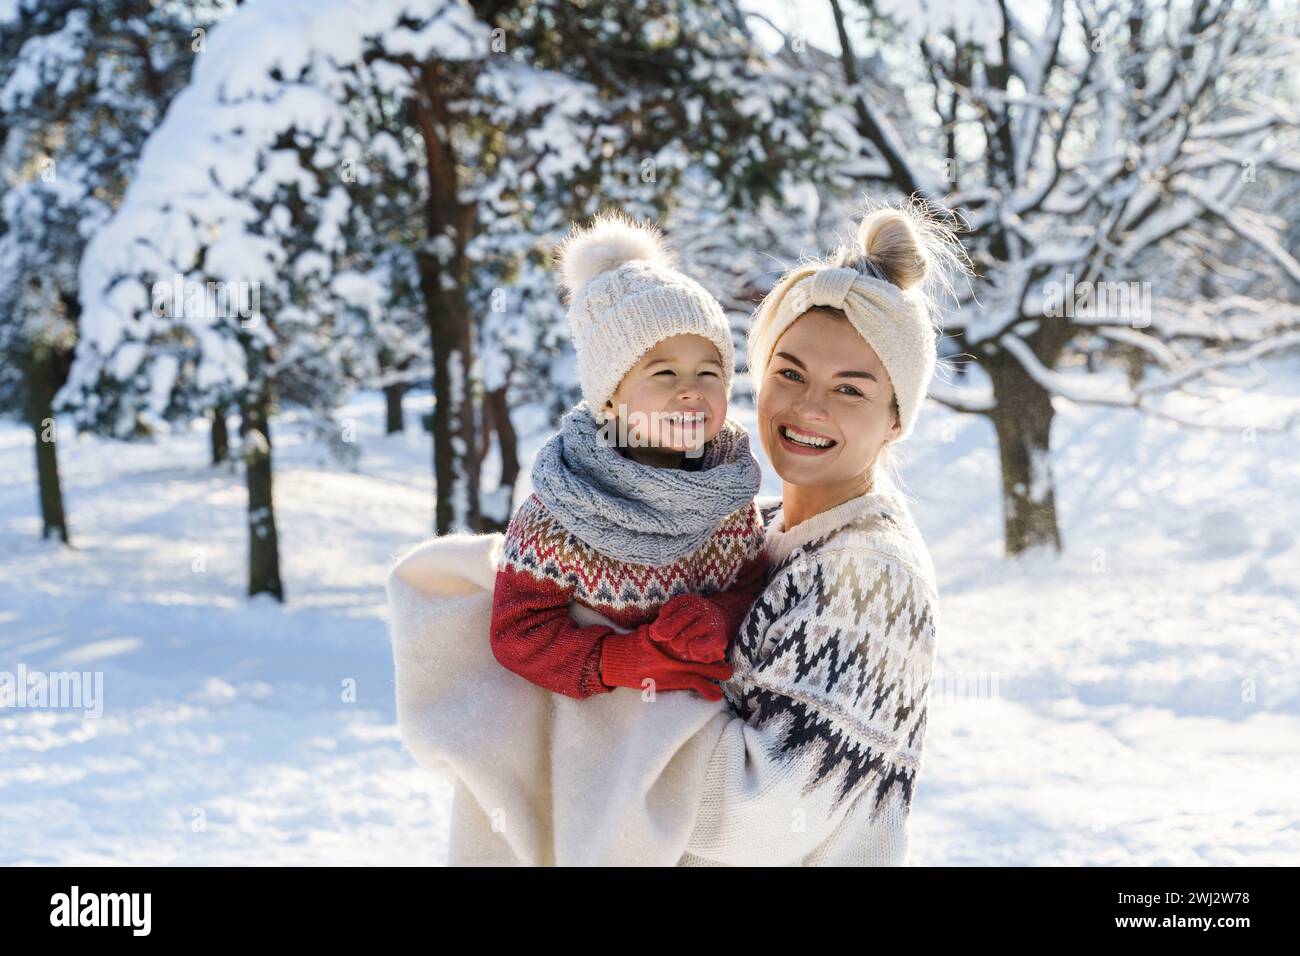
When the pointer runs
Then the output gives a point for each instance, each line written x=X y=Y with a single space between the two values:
x=543 y=568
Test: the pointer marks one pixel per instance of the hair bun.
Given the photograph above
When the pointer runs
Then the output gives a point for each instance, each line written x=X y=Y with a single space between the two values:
x=611 y=240
x=894 y=245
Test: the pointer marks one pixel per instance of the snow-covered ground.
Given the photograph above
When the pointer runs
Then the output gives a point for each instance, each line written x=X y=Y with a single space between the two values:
x=1135 y=701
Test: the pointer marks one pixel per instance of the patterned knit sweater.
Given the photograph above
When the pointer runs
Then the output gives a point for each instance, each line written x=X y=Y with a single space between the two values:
x=832 y=670
x=543 y=568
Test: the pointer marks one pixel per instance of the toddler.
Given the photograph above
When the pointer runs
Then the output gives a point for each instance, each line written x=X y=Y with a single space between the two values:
x=642 y=516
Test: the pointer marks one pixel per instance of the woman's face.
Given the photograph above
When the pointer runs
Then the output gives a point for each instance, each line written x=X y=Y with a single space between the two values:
x=825 y=405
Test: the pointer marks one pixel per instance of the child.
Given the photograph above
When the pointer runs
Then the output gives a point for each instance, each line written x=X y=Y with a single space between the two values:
x=643 y=508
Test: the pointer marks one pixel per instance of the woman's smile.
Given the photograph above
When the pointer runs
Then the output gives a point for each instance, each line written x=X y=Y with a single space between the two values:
x=801 y=441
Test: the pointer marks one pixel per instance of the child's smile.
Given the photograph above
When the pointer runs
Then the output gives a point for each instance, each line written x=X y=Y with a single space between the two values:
x=672 y=401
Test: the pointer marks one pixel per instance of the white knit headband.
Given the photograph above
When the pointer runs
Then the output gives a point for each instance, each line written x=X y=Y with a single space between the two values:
x=834 y=288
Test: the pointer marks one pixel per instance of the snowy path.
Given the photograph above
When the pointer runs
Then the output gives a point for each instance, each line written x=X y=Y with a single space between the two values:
x=225 y=736
x=1135 y=702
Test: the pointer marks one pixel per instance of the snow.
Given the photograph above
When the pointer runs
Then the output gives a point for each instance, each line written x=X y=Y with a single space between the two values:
x=214 y=705
x=1134 y=701
x=1225 y=531
x=46 y=61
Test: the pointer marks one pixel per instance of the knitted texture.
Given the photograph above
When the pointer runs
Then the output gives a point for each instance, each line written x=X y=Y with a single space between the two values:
x=831 y=680
x=538 y=779
x=544 y=568
x=634 y=512
x=627 y=298
x=893 y=322
x=820 y=770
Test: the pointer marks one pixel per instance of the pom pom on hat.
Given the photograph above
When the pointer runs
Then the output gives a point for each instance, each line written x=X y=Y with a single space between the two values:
x=611 y=240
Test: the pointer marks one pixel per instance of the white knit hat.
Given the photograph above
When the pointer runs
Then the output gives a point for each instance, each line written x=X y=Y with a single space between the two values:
x=627 y=298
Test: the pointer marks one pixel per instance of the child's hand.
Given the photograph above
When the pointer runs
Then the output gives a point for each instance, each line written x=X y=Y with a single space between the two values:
x=691 y=628
x=628 y=660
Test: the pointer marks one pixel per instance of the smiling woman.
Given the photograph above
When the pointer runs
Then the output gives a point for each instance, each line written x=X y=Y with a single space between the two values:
x=833 y=663
x=826 y=413
x=864 y=315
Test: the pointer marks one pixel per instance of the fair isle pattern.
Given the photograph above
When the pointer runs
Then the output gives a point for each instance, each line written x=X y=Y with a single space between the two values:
x=538 y=544
x=767 y=506
x=836 y=659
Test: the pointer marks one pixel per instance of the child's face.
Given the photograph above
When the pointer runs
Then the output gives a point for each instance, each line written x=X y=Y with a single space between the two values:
x=673 y=399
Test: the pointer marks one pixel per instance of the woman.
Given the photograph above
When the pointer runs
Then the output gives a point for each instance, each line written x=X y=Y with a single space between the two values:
x=833 y=664
x=812 y=758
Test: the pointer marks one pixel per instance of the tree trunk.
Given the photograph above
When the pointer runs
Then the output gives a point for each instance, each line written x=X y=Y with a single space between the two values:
x=506 y=436
x=42 y=384
x=1022 y=418
x=444 y=276
x=455 y=438
x=263 y=545
x=393 y=394
x=496 y=415
x=220 y=436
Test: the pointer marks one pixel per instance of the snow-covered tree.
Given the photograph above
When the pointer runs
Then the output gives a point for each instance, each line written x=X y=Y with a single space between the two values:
x=1096 y=148
x=433 y=148
x=240 y=269
x=81 y=85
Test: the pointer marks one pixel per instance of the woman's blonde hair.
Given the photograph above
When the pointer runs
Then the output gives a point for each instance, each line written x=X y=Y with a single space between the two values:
x=912 y=245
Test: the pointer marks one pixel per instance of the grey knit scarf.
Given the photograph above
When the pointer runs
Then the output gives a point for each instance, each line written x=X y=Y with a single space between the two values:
x=638 y=513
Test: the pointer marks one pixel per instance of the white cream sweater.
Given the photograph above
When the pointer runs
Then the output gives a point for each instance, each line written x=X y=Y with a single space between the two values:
x=810 y=760
x=831 y=683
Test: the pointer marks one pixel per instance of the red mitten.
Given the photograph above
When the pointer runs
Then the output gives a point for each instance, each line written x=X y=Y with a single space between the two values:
x=691 y=628
x=626 y=660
